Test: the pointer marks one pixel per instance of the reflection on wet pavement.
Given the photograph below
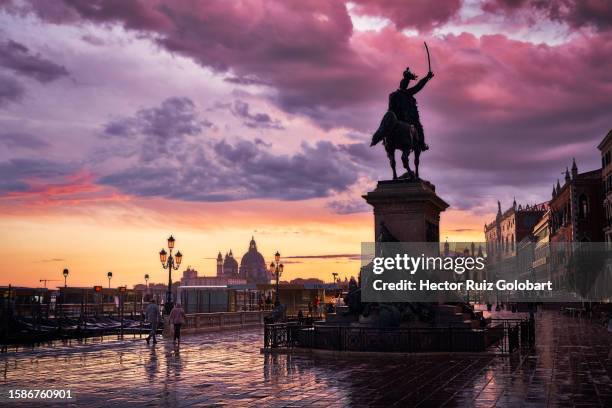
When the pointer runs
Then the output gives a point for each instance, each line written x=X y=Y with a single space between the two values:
x=570 y=367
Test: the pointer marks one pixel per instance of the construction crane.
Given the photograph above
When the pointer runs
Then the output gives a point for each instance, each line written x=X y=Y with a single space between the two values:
x=48 y=280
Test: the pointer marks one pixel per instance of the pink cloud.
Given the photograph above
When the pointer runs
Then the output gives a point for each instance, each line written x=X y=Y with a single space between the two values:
x=333 y=68
x=493 y=92
x=423 y=15
x=575 y=13
x=71 y=190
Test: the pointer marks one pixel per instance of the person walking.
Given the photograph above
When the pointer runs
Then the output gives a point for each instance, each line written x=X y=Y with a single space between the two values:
x=177 y=318
x=269 y=302
x=316 y=306
x=152 y=316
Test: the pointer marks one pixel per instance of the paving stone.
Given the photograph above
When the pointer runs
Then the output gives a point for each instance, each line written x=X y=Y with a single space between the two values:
x=571 y=366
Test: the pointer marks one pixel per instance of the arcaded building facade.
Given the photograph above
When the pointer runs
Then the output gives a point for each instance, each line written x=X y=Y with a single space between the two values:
x=605 y=147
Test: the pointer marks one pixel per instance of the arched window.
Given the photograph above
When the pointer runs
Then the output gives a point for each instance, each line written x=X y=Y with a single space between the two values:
x=512 y=243
x=583 y=206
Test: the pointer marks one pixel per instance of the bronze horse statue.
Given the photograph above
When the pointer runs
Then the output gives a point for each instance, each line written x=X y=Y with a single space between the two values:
x=401 y=128
x=398 y=135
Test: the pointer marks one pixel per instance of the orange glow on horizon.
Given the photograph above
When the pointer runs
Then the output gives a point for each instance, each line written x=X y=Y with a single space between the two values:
x=124 y=236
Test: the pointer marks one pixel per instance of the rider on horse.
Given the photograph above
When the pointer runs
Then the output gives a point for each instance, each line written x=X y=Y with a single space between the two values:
x=400 y=128
x=403 y=103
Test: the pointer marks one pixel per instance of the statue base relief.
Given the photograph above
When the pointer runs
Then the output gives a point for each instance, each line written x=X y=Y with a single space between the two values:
x=409 y=208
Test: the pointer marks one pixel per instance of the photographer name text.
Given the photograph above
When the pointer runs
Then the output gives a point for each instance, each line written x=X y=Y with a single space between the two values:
x=427 y=285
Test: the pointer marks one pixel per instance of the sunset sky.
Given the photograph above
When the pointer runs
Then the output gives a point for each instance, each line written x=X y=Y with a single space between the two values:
x=122 y=122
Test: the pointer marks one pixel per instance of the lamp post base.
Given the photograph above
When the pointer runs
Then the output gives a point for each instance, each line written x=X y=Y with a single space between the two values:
x=168 y=304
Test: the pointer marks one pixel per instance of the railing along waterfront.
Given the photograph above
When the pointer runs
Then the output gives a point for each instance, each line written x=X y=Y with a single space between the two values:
x=75 y=310
x=501 y=336
x=223 y=320
x=18 y=330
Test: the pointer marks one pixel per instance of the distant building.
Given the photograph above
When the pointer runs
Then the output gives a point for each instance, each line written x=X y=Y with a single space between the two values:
x=525 y=255
x=305 y=281
x=541 y=235
x=191 y=278
x=252 y=269
x=189 y=274
x=509 y=241
x=463 y=250
x=606 y=174
x=155 y=291
x=537 y=241
x=576 y=211
x=253 y=266
x=227 y=267
x=510 y=227
x=576 y=215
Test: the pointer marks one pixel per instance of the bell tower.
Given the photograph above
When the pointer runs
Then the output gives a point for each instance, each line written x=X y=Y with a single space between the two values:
x=219 y=264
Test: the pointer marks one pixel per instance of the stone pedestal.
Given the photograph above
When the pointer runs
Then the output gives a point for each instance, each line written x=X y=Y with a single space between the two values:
x=409 y=209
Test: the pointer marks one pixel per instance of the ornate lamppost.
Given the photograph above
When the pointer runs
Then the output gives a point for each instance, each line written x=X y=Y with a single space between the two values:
x=65 y=273
x=168 y=261
x=109 y=276
x=276 y=268
x=146 y=291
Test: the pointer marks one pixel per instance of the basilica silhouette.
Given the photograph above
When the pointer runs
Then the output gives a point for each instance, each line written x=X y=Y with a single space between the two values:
x=252 y=266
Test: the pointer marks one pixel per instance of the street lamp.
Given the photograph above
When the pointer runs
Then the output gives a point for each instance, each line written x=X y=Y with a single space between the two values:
x=335 y=275
x=109 y=276
x=146 y=291
x=276 y=268
x=170 y=262
x=65 y=273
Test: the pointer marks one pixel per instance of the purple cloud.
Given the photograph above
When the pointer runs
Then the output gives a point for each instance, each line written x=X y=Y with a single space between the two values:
x=159 y=128
x=575 y=13
x=174 y=118
x=17 y=57
x=199 y=169
x=22 y=140
x=242 y=110
x=497 y=114
x=17 y=173
x=349 y=206
x=240 y=171
x=423 y=15
x=10 y=90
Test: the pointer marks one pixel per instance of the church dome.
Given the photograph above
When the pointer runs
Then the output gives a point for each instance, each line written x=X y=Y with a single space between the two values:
x=230 y=265
x=253 y=266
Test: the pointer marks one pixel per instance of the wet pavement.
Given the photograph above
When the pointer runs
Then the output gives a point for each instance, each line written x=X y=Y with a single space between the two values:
x=571 y=366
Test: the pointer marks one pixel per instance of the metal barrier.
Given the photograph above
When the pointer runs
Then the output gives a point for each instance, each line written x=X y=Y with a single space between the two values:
x=277 y=335
x=503 y=336
x=514 y=334
x=75 y=309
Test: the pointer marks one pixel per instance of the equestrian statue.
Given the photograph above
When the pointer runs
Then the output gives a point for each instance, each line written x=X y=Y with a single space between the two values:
x=400 y=128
